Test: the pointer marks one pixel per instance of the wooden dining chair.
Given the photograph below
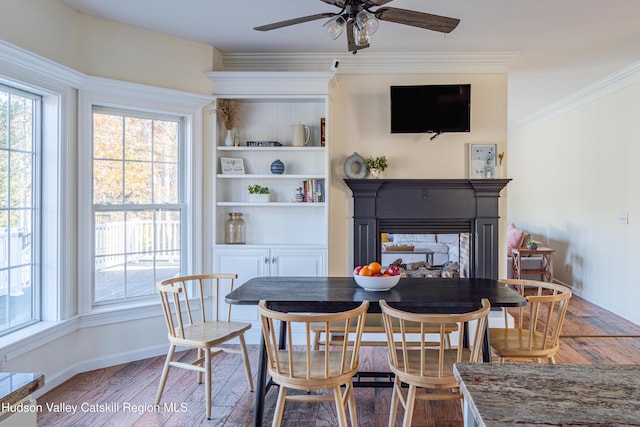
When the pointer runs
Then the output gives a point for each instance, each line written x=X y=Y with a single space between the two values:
x=420 y=362
x=206 y=336
x=537 y=325
x=299 y=366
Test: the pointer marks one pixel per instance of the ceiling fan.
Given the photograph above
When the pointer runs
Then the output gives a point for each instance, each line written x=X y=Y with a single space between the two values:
x=361 y=22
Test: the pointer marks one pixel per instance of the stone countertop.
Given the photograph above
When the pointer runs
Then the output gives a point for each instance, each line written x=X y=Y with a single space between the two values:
x=16 y=386
x=500 y=395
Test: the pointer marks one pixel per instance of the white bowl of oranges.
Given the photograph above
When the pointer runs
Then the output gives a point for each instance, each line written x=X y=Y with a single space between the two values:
x=373 y=277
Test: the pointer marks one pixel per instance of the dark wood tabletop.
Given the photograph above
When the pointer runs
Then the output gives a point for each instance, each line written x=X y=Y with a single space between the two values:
x=327 y=294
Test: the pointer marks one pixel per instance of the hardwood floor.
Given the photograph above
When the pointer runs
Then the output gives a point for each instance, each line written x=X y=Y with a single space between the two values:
x=123 y=395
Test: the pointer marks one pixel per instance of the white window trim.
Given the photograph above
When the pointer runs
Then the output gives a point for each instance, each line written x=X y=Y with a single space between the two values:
x=59 y=87
x=131 y=96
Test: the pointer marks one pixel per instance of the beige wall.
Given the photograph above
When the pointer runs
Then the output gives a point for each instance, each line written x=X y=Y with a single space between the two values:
x=360 y=123
x=107 y=49
x=573 y=175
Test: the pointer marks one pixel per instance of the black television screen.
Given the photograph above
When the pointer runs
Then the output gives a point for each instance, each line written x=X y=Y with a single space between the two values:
x=431 y=108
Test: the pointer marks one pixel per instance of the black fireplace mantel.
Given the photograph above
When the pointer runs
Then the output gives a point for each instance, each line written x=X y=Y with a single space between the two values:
x=428 y=206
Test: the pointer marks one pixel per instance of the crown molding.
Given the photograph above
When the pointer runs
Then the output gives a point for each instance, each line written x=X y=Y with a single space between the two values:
x=271 y=82
x=24 y=66
x=614 y=82
x=153 y=95
x=375 y=63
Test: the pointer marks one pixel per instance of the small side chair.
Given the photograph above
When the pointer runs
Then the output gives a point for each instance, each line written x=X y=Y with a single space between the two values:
x=202 y=334
x=537 y=326
x=299 y=366
x=426 y=362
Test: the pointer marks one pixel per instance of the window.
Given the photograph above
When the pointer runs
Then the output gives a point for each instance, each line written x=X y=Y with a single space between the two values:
x=138 y=202
x=19 y=196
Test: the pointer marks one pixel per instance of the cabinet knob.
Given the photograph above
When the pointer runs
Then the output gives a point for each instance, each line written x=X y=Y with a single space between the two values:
x=273 y=260
x=266 y=260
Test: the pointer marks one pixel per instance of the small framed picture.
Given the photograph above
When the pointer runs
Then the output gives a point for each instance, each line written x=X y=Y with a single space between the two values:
x=482 y=161
x=231 y=165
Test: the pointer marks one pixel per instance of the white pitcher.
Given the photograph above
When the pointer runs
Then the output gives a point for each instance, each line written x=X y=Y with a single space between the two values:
x=301 y=134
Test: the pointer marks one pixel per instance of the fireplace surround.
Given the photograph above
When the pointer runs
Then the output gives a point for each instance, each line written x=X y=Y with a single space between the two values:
x=428 y=206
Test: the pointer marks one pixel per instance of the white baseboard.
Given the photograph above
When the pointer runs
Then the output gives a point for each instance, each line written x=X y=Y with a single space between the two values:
x=52 y=381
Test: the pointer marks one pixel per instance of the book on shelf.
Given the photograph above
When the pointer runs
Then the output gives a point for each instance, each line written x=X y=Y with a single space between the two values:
x=313 y=190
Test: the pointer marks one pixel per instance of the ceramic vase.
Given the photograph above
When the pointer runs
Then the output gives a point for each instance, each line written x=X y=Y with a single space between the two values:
x=277 y=167
x=228 y=140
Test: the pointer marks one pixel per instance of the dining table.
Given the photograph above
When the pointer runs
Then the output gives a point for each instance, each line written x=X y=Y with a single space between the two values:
x=547 y=395
x=332 y=294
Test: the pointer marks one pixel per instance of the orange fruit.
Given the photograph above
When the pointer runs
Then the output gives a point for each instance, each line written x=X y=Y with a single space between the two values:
x=365 y=271
x=375 y=267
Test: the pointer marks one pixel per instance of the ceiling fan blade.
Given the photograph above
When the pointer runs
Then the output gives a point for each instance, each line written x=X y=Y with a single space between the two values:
x=351 y=39
x=293 y=21
x=371 y=3
x=339 y=3
x=417 y=19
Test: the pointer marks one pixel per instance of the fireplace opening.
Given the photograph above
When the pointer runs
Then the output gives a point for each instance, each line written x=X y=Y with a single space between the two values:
x=427 y=254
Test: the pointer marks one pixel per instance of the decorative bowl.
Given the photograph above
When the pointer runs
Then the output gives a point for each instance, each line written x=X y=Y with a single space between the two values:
x=376 y=283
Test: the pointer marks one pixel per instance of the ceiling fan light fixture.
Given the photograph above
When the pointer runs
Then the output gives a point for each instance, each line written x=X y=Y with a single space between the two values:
x=367 y=22
x=361 y=36
x=335 y=26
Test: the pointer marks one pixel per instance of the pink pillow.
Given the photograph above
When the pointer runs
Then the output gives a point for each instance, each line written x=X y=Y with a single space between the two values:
x=514 y=238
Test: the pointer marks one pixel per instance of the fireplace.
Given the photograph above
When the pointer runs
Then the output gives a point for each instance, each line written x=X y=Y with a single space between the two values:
x=428 y=206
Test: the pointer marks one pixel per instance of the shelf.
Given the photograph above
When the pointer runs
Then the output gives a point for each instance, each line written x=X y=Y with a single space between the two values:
x=283 y=148
x=272 y=204
x=270 y=176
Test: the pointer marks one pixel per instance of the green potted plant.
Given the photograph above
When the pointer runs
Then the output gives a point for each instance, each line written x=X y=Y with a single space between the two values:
x=258 y=193
x=532 y=244
x=376 y=165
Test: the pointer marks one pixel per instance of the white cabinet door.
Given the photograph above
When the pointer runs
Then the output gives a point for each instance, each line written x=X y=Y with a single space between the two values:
x=247 y=264
x=298 y=262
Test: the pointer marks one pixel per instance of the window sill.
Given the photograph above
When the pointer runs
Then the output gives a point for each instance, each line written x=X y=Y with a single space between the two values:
x=32 y=337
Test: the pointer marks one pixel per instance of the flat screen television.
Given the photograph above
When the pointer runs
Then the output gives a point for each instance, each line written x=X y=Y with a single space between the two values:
x=431 y=108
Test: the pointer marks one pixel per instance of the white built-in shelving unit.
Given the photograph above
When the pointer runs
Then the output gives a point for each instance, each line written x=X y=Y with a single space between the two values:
x=284 y=237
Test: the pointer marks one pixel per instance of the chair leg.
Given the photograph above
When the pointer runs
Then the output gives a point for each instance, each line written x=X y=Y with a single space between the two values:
x=245 y=358
x=342 y=414
x=199 y=375
x=165 y=373
x=279 y=411
x=351 y=403
x=408 y=409
x=207 y=381
x=393 y=407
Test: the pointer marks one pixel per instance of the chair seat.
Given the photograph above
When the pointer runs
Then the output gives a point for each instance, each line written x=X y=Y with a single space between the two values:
x=430 y=367
x=209 y=334
x=317 y=372
x=510 y=342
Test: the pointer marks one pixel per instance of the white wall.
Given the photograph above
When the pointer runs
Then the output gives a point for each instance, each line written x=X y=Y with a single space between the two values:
x=360 y=123
x=573 y=174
